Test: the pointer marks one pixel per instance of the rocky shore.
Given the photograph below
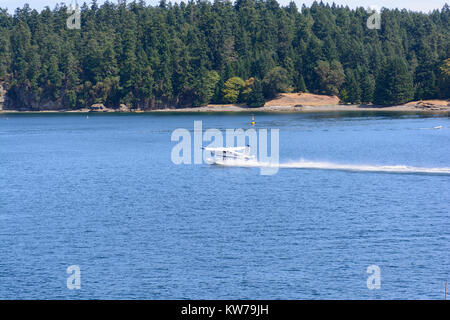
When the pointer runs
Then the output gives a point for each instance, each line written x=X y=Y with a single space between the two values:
x=285 y=103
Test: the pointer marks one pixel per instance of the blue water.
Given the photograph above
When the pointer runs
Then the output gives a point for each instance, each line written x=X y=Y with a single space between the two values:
x=102 y=193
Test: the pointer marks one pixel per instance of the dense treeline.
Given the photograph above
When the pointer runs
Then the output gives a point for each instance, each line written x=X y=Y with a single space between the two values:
x=223 y=52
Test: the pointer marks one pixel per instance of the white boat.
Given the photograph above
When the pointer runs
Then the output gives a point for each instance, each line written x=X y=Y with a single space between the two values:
x=231 y=156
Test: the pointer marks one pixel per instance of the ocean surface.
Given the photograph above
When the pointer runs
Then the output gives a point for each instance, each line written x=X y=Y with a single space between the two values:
x=353 y=190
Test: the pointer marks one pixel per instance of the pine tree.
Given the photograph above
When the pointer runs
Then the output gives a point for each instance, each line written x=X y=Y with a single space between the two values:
x=5 y=54
x=394 y=84
x=444 y=79
x=424 y=75
x=256 y=97
x=301 y=85
x=161 y=55
x=205 y=87
x=367 y=88
x=352 y=88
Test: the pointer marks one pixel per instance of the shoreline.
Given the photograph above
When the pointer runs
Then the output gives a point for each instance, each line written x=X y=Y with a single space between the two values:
x=265 y=109
x=307 y=109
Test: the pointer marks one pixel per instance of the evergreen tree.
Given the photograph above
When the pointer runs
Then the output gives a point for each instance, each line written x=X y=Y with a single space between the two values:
x=276 y=80
x=444 y=79
x=256 y=97
x=206 y=86
x=5 y=54
x=424 y=73
x=394 y=84
x=301 y=85
x=352 y=88
x=367 y=88
x=164 y=55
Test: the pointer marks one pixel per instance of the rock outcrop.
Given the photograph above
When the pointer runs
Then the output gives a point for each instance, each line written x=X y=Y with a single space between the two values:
x=302 y=99
x=436 y=105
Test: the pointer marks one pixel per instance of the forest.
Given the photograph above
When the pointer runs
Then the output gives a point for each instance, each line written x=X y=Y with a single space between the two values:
x=200 y=52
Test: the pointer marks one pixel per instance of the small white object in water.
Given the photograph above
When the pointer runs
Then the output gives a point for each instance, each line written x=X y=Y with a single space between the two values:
x=437 y=127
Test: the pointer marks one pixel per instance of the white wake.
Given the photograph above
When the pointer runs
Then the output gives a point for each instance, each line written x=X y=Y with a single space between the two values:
x=304 y=164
